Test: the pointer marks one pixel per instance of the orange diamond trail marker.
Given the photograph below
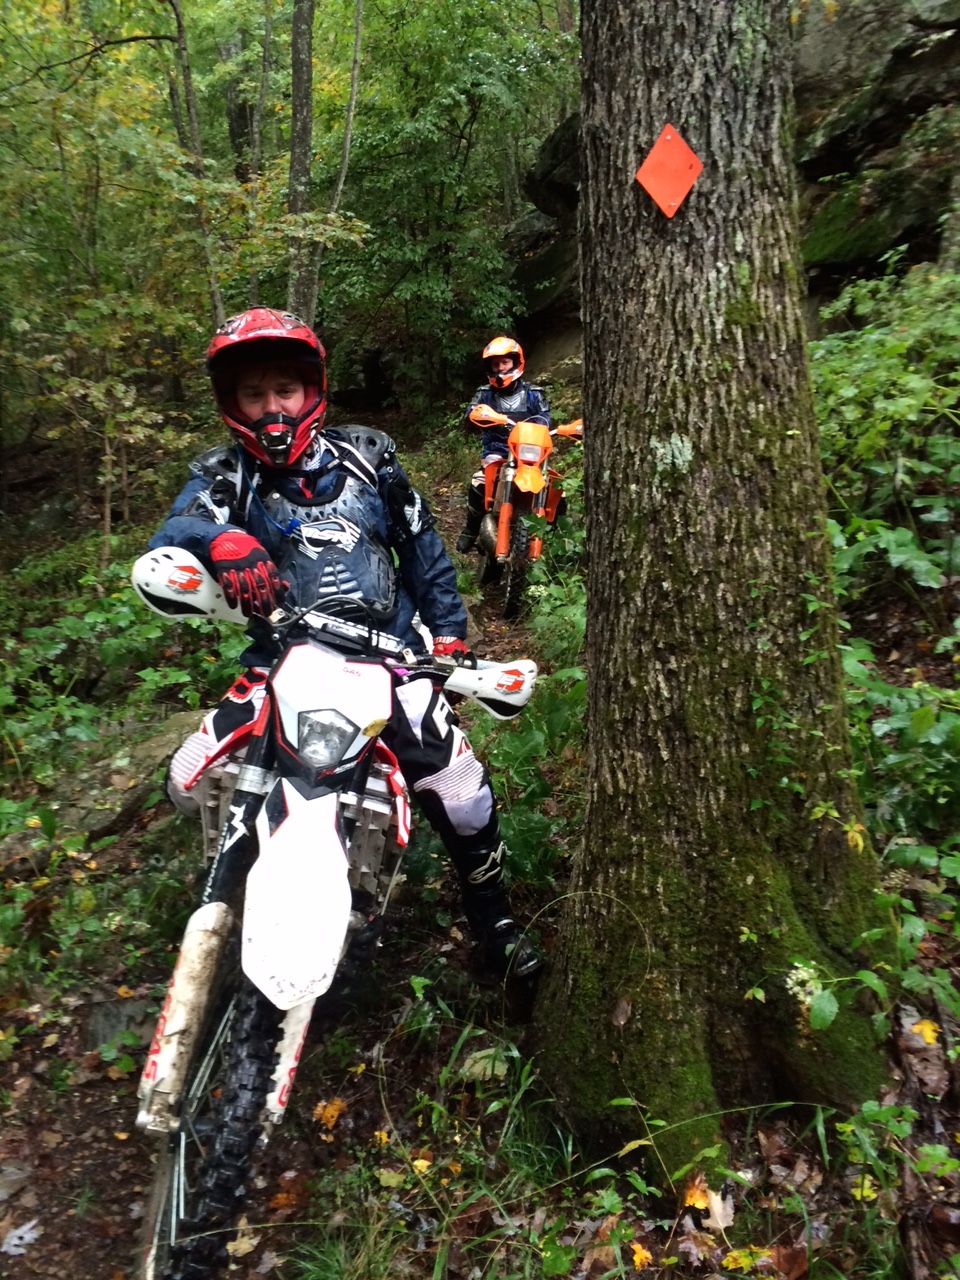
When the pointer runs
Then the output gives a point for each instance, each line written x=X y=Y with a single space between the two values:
x=669 y=171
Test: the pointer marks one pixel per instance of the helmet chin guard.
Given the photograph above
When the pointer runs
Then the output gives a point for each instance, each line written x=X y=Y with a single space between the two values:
x=263 y=337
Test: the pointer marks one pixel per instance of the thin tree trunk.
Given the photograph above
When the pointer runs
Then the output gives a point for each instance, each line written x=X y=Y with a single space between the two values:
x=256 y=143
x=107 y=519
x=196 y=147
x=176 y=110
x=123 y=459
x=721 y=832
x=345 y=149
x=300 y=288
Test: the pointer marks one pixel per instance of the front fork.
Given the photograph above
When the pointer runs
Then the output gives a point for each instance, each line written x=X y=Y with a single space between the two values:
x=205 y=940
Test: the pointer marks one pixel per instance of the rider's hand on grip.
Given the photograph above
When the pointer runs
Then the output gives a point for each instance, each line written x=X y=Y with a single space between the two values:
x=453 y=647
x=247 y=575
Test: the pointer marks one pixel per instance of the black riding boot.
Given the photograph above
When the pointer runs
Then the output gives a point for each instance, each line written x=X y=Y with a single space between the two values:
x=506 y=949
x=474 y=518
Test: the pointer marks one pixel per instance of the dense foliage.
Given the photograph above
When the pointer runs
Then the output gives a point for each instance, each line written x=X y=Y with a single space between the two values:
x=124 y=227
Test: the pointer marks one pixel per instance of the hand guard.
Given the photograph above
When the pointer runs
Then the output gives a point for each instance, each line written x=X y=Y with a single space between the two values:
x=247 y=575
x=453 y=647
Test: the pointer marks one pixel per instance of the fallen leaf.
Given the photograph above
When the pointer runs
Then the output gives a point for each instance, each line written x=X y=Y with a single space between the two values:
x=389 y=1177
x=790 y=1260
x=50 y=1040
x=485 y=1064
x=927 y=1030
x=721 y=1211
x=50 y=1138
x=695 y=1196
x=641 y=1257
x=421 y=1166
x=381 y=1137
x=745 y=1259
x=328 y=1113
x=13 y=1176
x=125 y=993
x=121 y=1137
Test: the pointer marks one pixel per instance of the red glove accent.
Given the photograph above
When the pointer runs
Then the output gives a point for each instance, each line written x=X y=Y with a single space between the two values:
x=453 y=647
x=247 y=575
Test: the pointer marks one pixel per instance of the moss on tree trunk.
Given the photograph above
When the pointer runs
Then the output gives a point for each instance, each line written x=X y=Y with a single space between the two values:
x=719 y=795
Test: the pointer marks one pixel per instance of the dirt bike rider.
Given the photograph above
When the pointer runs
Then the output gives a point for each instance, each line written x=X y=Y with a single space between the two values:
x=507 y=393
x=342 y=492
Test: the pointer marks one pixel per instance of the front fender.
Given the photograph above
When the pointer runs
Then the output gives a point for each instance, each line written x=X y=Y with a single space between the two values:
x=529 y=479
x=298 y=901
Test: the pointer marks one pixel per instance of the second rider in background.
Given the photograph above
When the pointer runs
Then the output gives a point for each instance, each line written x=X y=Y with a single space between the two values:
x=509 y=394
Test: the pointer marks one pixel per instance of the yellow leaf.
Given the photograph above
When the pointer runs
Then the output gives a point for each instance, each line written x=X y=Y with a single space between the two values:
x=50 y=1040
x=33 y=822
x=328 y=1113
x=927 y=1030
x=864 y=1188
x=855 y=840
x=359 y=1069
x=454 y=1166
x=421 y=1166
x=632 y=1146
x=744 y=1259
x=121 y=1137
x=696 y=1193
x=389 y=1178
x=641 y=1257
x=381 y=1137
x=125 y=993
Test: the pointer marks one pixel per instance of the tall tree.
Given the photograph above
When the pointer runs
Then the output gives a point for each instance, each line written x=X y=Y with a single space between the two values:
x=722 y=839
x=301 y=292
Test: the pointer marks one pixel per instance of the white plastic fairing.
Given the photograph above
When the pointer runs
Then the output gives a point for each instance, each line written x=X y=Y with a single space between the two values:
x=176 y=584
x=502 y=688
x=311 y=677
x=297 y=904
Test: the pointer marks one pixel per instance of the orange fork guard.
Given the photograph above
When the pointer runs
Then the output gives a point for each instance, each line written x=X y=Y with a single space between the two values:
x=503 y=529
x=535 y=549
x=490 y=473
x=554 y=494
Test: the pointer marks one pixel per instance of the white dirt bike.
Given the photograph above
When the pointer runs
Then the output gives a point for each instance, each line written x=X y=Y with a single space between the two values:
x=314 y=820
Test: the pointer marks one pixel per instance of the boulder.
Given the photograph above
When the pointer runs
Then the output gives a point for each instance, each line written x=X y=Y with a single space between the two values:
x=877 y=89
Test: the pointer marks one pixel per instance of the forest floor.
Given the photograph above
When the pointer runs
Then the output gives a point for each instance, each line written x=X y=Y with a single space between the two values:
x=74 y=1170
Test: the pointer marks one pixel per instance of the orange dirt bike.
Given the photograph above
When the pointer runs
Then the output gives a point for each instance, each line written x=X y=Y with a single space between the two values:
x=515 y=488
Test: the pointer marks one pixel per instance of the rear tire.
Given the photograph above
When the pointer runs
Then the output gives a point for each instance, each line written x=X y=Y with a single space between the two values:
x=202 y=1170
x=515 y=575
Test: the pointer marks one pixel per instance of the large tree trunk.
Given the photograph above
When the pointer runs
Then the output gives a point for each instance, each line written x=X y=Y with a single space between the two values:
x=721 y=835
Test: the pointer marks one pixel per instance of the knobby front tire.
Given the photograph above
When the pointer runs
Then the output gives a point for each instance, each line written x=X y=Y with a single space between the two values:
x=515 y=570
x=202 y=1171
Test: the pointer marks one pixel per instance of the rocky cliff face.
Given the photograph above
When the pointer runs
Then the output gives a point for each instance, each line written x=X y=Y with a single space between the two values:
x=877 y=87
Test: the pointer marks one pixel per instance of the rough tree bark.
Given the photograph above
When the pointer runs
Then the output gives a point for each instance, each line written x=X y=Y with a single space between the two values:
x=720 y=827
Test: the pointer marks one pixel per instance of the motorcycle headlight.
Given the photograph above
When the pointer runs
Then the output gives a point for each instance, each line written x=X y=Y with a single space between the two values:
x=529 y=452
x=323 y=737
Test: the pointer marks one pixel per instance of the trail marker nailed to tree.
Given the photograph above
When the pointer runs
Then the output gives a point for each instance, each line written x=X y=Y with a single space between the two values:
x=669 y=171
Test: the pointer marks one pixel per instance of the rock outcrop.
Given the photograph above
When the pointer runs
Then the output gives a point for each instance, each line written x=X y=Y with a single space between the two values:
x=877 y=88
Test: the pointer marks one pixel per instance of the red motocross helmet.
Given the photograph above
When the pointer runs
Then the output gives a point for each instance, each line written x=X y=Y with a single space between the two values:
x=503 y=347
x=261 y=336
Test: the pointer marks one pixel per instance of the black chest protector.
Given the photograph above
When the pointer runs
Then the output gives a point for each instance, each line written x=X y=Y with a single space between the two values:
x=326 y=528
x=334 y=544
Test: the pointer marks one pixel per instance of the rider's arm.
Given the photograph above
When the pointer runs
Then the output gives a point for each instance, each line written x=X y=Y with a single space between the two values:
x=425 y=568
x=202 y=509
